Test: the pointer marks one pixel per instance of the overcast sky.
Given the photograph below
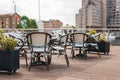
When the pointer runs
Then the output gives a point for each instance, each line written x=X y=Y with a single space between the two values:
x=63 y=10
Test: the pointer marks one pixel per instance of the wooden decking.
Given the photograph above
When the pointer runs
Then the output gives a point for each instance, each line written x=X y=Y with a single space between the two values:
x=94 y=68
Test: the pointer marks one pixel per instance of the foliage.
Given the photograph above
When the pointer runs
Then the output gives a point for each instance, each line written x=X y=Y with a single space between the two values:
x=102 y=38
x=27 y=23
x=91 y=39
x=24 y=18
x=71 y=27
x=1 y=34
x=92 y=32
x=19 y=25
x=33 y=23
x=7 y=43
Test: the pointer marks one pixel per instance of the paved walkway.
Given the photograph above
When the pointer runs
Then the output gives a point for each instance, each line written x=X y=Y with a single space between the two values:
x=94 y=68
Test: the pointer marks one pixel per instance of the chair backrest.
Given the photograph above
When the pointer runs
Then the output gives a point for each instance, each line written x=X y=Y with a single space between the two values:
x=64 y=38
x=38 y=39
x=78 y=37
x=97 y=36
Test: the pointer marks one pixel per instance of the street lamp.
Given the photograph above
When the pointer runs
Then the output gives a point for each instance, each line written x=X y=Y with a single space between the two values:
x=39 y=23
x=39 y=9
x=14 y=6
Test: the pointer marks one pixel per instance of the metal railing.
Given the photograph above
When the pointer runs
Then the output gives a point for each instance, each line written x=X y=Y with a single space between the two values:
x=113 y=33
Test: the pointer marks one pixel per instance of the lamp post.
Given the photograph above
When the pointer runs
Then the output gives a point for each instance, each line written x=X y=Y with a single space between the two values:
x=40 y=23
x=39 y=9
x=14 y=6
x=15 y=21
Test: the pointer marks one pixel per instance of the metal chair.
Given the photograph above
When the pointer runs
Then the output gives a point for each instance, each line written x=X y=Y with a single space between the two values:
x=38 y=43
x=92 y=46
x=61 y=47
x=78 y=41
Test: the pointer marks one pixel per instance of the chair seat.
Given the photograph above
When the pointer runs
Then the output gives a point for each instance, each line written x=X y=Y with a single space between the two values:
x=80 y=45
x=58 y=47
x=39 y=49
x=17 y=47
x=25 y=47
x=92 y=47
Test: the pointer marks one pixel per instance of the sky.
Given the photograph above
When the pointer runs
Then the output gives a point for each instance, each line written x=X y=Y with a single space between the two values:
x=63 y=10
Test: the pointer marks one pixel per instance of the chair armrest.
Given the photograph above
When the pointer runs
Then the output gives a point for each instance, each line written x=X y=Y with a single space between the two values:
x=20 y=43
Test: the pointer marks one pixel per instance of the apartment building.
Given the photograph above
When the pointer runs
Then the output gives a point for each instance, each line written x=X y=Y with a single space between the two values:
x=93 y=14
x=9 y=20
x=113 y=13
x=100 y=14
x=78 y=19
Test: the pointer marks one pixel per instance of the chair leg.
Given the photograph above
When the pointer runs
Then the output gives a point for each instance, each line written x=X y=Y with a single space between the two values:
x=49 y=59
x=30 y=65
x=67 y=61
x=47 y=62
x=31 y=61
x=73 y=53
x=79 y=50
x=26 y=58
x=85 y=54
x=21 y=53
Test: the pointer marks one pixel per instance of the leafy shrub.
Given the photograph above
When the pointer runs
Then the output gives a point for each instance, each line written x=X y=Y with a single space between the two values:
x=7 y=43
x=92 y=32
x=102 y=37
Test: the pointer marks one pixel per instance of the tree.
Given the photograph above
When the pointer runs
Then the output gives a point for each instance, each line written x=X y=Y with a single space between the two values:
x=27 y=23
x=33 y=23
x=19 y=25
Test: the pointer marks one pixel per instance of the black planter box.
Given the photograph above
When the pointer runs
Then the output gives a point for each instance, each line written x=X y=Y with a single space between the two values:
x=9 y=60
x=104 y=47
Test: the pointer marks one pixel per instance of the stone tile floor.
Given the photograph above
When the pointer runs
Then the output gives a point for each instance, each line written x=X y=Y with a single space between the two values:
x=94 y=68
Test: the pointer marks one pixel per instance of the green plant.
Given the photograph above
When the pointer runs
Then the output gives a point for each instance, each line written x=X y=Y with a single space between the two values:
x=92 y=32
x=27 y=23
x=1 y=34
x=102 y=38
x=7 y=43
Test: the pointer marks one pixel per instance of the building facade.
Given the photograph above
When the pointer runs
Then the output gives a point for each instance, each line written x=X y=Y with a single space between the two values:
x=99 y=14
x=51 y=24
x=94 y=14
x=113 y=13
x=9 y=20
x=78 y=19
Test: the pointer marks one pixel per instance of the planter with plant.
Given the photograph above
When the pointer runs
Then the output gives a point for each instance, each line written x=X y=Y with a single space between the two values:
x=100 y=40
x=103 y=44
x=9 y=56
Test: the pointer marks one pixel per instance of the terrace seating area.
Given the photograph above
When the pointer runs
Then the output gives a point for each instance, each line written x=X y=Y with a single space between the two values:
x=83 y=67
x=94 y=68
